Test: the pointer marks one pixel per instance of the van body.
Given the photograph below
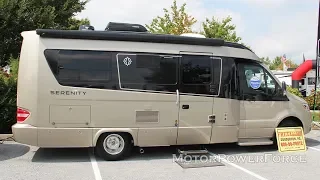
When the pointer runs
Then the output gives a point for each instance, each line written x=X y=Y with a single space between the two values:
x=114 y=90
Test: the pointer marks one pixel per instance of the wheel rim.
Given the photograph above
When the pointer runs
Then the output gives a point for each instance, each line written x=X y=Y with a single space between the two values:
x=113 y=144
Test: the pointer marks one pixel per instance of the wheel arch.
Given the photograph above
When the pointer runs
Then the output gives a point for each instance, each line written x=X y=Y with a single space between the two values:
x=291 y=118
x=130 y=132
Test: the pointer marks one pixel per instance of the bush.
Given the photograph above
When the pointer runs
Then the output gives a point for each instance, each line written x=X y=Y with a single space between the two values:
x=310 y=100
x=8 y=97
x=294 y=91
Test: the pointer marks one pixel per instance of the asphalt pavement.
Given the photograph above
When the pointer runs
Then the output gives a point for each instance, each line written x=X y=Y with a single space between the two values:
x=18 y=161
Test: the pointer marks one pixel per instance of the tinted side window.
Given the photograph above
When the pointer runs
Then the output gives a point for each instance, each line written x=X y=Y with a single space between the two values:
x=200 y=74
x=84 y=68
x=52 y=57
x=77 y=68
x=148 y=72
x=229 y=87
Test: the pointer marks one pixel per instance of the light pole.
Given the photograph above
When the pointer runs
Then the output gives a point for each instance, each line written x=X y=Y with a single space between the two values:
x=317 y=61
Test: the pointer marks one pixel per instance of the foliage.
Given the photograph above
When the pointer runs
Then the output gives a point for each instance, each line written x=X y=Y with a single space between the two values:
x=310 y=100
x=75 y=23
x=8 y=93
x=176 y=22
x=277 y=64
x=222 y=30
x=315 y=116
x=266 y=61
x=294 y=91
x=21 y=15
x=17 y=16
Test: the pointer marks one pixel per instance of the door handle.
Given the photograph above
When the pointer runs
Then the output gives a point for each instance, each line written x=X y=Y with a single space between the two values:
x=185 y=106
x=178 y=97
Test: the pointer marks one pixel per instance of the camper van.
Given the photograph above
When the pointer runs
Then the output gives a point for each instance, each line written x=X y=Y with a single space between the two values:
x=124 y=87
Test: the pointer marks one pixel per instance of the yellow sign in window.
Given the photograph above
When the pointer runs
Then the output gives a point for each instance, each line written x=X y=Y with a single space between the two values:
x=290 y=139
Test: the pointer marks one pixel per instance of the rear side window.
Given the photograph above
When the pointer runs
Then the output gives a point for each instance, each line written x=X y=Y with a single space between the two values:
x=81 y=68
x=52 y=59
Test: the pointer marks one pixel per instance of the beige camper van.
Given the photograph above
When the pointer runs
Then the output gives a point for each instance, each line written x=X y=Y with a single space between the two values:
x=125 y=87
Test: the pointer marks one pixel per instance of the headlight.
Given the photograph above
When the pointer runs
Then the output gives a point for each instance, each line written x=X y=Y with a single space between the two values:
x=306 y=106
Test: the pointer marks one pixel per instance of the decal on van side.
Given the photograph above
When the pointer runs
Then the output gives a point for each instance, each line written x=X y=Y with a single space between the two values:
x=68 y=93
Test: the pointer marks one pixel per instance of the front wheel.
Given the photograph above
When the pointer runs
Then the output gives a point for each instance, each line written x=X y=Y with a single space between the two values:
x=113 y=146
x=287 y=123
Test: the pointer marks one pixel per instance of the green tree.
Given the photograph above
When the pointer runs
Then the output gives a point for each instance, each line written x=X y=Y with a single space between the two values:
x=8 y=97
x=266 y=61
x=277 y=64
x=21 y=15
x=220 y=29
x=75 y=23
x=176 y=21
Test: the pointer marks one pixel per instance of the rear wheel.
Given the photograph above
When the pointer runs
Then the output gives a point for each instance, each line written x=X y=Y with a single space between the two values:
x=114 y=146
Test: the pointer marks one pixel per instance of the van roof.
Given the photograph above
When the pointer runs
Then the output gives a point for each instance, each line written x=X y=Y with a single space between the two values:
x=136 y=36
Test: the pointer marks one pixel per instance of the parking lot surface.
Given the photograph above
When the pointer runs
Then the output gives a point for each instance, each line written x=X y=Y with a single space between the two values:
x=18 y=161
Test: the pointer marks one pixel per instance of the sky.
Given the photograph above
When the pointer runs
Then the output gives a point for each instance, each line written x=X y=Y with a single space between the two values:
x=270 y=27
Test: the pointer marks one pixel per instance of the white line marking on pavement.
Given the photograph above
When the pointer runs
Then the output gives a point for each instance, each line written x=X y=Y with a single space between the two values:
x=316 y=149
x=239 y=167
x=95 y=167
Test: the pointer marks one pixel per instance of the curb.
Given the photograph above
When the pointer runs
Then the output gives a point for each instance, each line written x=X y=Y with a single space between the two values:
x=315 y=125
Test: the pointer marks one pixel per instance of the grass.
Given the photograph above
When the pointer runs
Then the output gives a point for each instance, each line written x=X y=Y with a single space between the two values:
x=316 y=116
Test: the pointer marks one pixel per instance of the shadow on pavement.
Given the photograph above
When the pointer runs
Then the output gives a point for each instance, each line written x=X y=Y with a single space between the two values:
x=233 y=148
x=155 y=153
x=56 y=155
x=312 y=142
x=150 y=153
x=10 y=151
x=50 y=155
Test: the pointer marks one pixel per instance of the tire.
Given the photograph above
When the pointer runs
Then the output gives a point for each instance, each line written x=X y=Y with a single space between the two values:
x=286 y=123
x=114 y=146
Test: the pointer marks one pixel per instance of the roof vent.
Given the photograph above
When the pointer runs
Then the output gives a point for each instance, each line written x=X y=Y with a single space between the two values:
x=114 y=26
x=193 y=35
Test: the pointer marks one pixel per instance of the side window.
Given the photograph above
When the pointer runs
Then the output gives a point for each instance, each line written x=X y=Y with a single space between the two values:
x=52 y=57
x=257 y=84
x=200 y=74
x=229 y=87
x=84 y=68
x=79 y=68
x=311 y=81
x=149 y=72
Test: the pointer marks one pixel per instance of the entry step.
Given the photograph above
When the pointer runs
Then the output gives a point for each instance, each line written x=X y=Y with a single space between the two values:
x=193 y=152
x=255 y=142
